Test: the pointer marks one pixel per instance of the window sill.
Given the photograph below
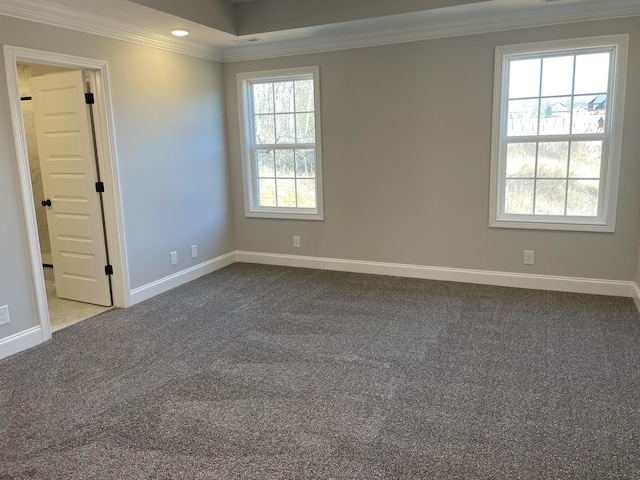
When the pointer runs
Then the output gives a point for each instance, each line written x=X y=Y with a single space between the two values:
x=285 y=216
x=557 y=226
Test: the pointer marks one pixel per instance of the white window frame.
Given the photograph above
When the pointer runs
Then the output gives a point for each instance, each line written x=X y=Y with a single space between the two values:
x=612 y=137
x=245 y=109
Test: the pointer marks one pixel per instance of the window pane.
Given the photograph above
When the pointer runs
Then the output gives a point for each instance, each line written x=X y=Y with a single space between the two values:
x=284 y=97
x=592 y=73
x=555 y=115
x=265 y=163
x=582 y=199
x=304 y=96
x=305 y=163
x=306 y=128
x=265 y=129
x=550 y=195
x=284 y=163
x=263 y=98
x=267 y=192
x=589 y=114
x=519 y=197
x=557 y=76
x=585 y=159
x=523 y=117
x=521 y=160
x=285 y=129
x=552 y=159
x=286 y=193
x=524 y=78
x=306 y=193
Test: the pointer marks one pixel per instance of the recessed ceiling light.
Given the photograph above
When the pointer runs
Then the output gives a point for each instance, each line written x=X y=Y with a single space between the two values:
x=180 y=32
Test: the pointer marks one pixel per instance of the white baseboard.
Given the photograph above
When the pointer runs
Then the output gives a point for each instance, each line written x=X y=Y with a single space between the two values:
x=636 y=295
x=485 y=277
x=20 y=341
x=33 y=336
x=167 y=283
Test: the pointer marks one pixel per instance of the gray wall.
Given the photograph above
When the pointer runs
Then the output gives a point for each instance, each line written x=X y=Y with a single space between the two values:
x=637 y=278
x=169 y=132
x=274 y=15
x=406 y=152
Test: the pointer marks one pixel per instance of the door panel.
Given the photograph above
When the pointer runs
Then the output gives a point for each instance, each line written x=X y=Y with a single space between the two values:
x=69 y=174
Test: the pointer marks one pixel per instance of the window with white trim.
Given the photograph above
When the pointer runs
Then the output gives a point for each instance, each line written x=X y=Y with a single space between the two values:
x=557 y=125
x=280 y=125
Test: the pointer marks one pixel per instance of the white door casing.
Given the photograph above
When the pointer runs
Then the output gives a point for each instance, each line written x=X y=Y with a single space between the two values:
x=69 y=175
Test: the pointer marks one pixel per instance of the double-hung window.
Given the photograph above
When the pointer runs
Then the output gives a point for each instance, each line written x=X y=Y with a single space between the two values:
x=557 y=126
x=280 y=128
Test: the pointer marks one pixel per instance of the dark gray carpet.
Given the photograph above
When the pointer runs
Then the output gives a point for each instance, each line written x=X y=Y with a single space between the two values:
x=259 y=372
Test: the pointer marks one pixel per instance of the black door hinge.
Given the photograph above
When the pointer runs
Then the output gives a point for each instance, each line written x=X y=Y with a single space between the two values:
x=100 y=187
x=108 y=270
x=88 y=98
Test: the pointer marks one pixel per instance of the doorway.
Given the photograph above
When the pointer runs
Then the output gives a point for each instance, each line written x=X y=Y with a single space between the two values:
x=50 y=180
x=49 y=309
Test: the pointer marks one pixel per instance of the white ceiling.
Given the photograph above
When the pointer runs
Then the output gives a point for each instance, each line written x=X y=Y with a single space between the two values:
x=129 y=21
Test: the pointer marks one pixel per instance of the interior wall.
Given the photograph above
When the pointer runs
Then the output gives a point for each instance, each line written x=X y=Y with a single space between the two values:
x=406 y=154
x=637 y=264
x=275 y=15
x=171 y=153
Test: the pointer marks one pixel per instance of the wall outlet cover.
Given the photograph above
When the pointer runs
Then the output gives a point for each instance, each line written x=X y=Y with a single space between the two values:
x=528 y=257
x=4 y=315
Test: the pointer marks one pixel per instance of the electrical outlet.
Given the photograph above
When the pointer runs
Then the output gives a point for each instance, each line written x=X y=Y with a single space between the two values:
x=174 y=258
x=296 y=241
x=528 y=257
x=4 y=315
x=194 y=251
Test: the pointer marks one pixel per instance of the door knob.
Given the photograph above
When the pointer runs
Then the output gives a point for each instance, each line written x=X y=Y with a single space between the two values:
x=46 y=203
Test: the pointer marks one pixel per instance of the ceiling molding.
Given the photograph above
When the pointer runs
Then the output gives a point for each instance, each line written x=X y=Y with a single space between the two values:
x=483 y=17
x=429 y=27
x=73 y=19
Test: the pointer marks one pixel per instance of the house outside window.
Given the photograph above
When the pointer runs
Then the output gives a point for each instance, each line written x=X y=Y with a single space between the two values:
x=280 y=127
x=557 y=127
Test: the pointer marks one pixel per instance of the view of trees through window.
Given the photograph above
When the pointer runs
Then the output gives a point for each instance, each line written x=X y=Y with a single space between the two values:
x=284 y=143
x=555 y=127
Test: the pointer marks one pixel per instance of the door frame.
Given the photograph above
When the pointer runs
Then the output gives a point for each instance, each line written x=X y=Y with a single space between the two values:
x=107 y=163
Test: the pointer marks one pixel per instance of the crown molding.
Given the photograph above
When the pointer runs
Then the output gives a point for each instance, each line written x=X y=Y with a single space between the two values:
x=74 y=19
x=475 y=19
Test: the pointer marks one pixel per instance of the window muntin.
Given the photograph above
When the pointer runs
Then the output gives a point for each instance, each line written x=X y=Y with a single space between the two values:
x=556 y=148
x=281 y=151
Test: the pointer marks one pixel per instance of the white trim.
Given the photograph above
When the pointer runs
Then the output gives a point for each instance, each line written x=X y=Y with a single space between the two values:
x=612 y=138
x=107 y=161
x=480 y=17
x=21 y=341
x=34 y=336
x=506 y=279
x=28 y=210
x=636 y=295
x=477 y=18
x=78 y=20
x=243 y=82
x=172 y=281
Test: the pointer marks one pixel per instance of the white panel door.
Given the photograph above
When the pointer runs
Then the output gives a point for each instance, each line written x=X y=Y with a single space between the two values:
x=69 y=175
